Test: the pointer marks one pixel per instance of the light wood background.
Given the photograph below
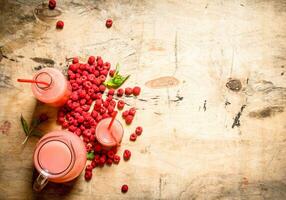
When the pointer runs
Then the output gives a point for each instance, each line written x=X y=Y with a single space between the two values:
x=213 y=95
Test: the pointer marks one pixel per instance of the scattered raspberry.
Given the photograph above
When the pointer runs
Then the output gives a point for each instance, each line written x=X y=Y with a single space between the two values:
x=133 y=137
x=120 y=92
x=126 y=154
x=132 y=111
x=125 y=114
x=124 y=188
x=120 y=104
x=136 y=91
x=88 y=175
x=128 y=91
x=128 y=119
x=52 y=4
x=116 y=159
x=60 y=24
x=89 y=168
x=108 y=23
x=139 y=130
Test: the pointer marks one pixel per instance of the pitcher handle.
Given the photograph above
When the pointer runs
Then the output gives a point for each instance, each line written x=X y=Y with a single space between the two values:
x=40 y=182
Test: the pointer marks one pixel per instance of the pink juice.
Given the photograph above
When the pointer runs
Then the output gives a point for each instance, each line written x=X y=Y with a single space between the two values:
x=57 y=92
x=60 y=156
x=104 y=135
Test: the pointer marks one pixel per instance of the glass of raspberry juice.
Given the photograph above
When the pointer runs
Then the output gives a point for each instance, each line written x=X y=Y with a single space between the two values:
x=58 y=90
x=109 y=137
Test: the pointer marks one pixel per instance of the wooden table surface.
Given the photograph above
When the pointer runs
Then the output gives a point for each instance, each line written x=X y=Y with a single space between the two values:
x=213 y=95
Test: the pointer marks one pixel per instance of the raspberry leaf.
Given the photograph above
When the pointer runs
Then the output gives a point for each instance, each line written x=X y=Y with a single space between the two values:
x=90 y=155
x=25 y=125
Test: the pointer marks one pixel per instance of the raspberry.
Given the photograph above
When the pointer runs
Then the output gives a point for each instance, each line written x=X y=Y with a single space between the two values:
x=109 y=161
x=102 y=160
x=128 y=91
x=111 y=73
x=128 y=119
x=52 y=4
x=120 y=104
x=60 y=24
x=72 y=128
x=139 y=130
x=93 y=164
x=132 y=111
x=99 y=62
x=110 y=154
x=88 y=168
x=116 y=159
x=111 y=92
x=108 y=23
x=133 y=137
x=136 y=91
x=124 y=188
x=102 y=78
x=75 y=60
x=65 y=124
x=105 y=115
x=110 y=109
x=91 y=60
x=126 y=154
x=125 y=114
x=120 y=92
x=102 y=88
x=88 y=175
x=112 y=103
x=97 y=148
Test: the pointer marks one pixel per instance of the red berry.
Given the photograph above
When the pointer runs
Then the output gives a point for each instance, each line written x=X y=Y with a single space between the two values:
x=126 y=154
x=109 y=161
x=111 y=72
x=60 y=24
x=111 y=92
x=52 y=4
x=136 y=91
x=75 y=60
x=124 y=188
x=139 y=130
x=89 y=168
x=110 y=154
x=120 y=104
x=99 y=62
x=97 y=148
x=125 y=114
x=116 y=159
x=128 y=91
x=93 y=164
x=120 y=92
x=102 y=88
x=132 y=111
x=108 y=23
x=102 y=160
x=128 y=119
x=133 y=137
x=87 y=175
x=91 y=60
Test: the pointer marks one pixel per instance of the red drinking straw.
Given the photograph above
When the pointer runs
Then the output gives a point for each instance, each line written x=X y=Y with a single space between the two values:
x=109 y=126
x=32 y=81
x=112 y=120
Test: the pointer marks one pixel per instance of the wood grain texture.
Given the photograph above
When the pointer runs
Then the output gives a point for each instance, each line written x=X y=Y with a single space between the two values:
x=202 y=139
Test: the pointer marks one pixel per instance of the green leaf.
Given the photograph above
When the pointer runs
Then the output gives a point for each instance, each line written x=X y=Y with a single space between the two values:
x=90 y=155
x=25 y=125
x=117 y=80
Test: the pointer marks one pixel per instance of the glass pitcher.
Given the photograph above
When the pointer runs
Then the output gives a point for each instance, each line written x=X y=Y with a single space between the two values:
x=60 y=156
